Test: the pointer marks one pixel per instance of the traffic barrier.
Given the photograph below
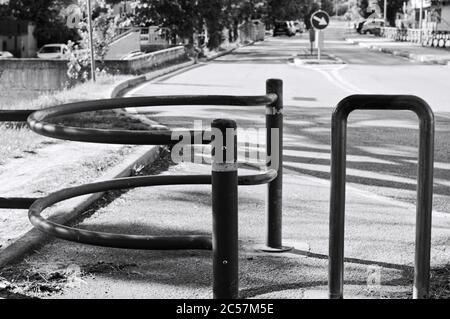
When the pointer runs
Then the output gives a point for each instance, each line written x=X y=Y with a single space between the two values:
x=424 y=185
x=224 y=178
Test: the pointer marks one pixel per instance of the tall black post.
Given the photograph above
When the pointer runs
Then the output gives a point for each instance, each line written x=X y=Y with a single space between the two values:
x=274 y=151
x=225 y=209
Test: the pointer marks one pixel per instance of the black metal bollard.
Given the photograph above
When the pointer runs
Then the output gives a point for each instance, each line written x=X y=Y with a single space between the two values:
x=225 y=209
x=274 y=151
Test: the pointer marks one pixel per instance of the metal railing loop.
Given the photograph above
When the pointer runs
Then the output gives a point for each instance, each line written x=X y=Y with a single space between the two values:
x=38 y=121
x=424 y=184
x=224 y=178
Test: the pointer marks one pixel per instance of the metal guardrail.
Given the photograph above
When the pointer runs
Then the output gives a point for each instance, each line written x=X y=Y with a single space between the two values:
x=425 y=37
x=224 y=178
x=424 y=185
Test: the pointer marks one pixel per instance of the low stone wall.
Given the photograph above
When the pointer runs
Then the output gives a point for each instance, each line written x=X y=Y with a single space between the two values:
x=147 y=62
x=17 y=75
x=39 y=75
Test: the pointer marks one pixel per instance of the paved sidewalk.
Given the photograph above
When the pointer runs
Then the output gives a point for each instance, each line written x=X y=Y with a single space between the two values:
x=412 y=51
x=378 y=233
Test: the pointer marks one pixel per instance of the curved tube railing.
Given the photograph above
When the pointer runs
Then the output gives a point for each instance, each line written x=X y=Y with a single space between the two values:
x=129 y=241
x=38 y=121
x=224 y=178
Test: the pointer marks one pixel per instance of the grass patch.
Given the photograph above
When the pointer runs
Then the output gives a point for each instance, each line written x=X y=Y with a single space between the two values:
x=16 y=138
x=440 y=283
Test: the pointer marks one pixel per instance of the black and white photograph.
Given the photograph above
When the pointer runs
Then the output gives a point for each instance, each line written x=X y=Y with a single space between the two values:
x=224 y=158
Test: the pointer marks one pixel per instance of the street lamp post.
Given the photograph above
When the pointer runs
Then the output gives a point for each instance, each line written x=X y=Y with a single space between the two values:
x=385 y=12
x=91 y=39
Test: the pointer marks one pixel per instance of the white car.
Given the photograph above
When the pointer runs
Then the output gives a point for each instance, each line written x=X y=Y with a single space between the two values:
x=6 y=55
x=372 y=26
x=54 y=51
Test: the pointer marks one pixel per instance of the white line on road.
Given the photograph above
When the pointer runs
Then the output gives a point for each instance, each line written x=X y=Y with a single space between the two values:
x=333 y=76
x=344 y=82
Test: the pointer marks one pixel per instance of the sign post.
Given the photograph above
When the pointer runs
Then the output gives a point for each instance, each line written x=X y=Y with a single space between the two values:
x=312 y=39
x=319 y=21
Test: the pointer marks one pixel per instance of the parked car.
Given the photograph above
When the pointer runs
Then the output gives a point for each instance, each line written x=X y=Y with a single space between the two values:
x=132 y=55
x=6 y=55
x=54 y=51
x=283 y=28
x=299 y=26
x=372 y=26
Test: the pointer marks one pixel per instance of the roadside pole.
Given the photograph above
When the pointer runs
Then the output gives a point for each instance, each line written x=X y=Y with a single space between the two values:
x=312 y=39
x=91 y=39
x=319 y=44
x=319 y=21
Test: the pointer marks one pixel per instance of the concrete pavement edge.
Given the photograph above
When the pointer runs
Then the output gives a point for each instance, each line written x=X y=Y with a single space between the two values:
x=404 y=54
x=124 y=86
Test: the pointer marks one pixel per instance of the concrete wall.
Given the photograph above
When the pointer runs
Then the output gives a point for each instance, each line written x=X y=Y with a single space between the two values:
x=38 y=75
x=148 y=61
x=123 y=45
x=17 y=75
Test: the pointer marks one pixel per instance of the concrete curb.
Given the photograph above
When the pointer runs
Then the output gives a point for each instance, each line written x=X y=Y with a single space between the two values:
x=405 y=54
x=220 y=54
x=73 y=209
x=121 y=89
x=124 y=86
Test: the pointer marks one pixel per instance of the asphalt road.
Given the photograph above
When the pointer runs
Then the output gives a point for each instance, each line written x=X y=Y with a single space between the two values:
x=382 y=145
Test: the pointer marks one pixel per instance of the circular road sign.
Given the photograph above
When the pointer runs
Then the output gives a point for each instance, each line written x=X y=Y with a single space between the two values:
x=320 y=20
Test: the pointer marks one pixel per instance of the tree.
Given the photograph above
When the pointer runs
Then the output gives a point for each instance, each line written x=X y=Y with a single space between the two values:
x=104 y=30
x=328 y=6
x=181 y=17
x=393 y=7
x=214 y=17
x=4 y=10
x=287 y=9
x=46 y=15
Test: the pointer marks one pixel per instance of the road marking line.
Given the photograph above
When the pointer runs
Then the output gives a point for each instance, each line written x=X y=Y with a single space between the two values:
x=345 y=83
x=335 y=78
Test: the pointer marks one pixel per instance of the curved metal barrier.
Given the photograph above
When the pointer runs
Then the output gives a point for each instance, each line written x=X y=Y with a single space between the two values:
x=38 y=121
x=129 y=241
x=224 y=178
x=424 y=185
